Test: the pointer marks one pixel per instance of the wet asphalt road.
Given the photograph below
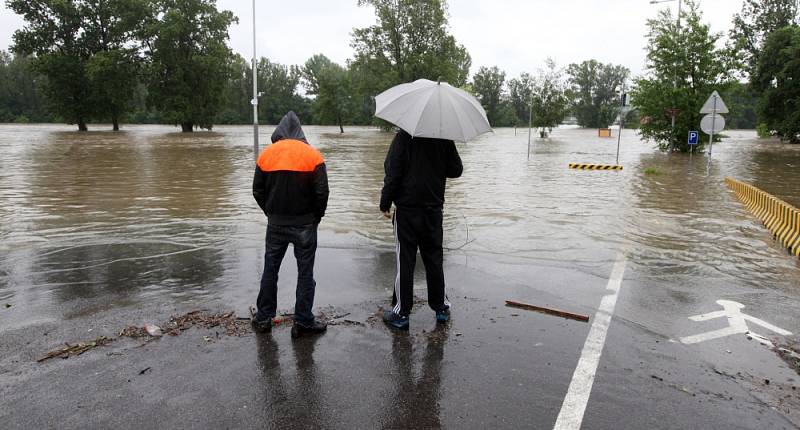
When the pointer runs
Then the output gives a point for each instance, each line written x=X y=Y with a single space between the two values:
x=492 y=366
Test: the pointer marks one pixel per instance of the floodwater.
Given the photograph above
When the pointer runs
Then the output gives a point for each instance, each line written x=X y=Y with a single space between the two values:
x=93 y=221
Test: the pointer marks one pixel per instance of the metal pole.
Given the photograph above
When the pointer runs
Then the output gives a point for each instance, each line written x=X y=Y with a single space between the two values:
x=530 y=123
x=675 y=83
x=254 y=102
x=621 y=120
x=711 y=139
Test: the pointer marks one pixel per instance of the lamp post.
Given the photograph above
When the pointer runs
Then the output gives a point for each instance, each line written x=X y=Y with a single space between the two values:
x=530 y=124
x=675 y=83
x=254 y=101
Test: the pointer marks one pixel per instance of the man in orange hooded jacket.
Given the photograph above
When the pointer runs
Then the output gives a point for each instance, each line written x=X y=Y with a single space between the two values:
x=291 y=187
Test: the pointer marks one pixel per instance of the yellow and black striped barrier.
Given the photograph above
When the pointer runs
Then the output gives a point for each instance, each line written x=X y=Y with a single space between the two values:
x=781 y=218
x=594 y=166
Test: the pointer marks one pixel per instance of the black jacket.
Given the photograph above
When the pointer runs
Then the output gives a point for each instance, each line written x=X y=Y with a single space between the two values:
x=417 y=170
x=291 y=182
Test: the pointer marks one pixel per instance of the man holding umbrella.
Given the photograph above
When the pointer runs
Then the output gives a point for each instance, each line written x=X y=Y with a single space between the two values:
x=420 y=159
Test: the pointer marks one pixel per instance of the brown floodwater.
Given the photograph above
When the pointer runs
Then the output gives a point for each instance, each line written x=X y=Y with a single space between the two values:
x=107 y=219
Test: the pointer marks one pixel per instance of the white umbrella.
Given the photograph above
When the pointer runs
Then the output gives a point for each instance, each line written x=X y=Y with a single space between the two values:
x=425 y=108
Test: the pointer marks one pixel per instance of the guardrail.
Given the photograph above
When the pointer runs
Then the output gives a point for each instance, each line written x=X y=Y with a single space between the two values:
x=781 y=218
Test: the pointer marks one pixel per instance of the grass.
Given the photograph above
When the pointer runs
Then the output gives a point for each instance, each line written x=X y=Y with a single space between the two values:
x=652 y=171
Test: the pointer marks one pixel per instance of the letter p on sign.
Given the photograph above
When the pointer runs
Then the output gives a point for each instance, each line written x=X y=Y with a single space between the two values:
x=693 y=137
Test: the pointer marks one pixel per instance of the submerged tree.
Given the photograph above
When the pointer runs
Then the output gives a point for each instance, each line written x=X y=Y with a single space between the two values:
x=776 y=81
x=66 y=36
x=550 y=100
x=410 y=41
x=20 y=90
x=330 y=84
x=683 y=68
x=190 y=61
x=520 y=93
x=595 y=91
x=487 y=85
x=279 y=83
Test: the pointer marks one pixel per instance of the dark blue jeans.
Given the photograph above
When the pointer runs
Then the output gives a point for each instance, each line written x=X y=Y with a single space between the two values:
x=304 y=240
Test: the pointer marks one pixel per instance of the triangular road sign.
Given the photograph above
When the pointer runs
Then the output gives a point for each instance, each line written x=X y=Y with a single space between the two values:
x=708 y=107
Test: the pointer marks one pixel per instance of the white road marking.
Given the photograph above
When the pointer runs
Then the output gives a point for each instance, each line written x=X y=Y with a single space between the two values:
x=574 y=406
x=737 y=324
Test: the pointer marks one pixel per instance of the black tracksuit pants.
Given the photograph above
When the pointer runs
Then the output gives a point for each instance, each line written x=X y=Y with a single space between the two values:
x=418 y=229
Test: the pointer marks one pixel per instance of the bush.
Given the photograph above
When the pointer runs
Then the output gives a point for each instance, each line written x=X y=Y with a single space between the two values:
x=764 y=131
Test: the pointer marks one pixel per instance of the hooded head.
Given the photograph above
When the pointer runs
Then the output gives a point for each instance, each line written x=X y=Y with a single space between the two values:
x=289 y=128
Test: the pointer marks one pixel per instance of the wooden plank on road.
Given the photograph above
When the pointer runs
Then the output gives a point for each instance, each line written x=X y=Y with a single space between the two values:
x=549 y=311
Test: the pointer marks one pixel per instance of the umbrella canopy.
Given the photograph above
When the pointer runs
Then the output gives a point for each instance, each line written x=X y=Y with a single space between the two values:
x=438 y=110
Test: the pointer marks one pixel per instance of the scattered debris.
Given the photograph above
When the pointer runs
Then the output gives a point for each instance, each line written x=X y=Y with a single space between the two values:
x=232 y=325
x=550 y=311
x=133 y=331
x=80 y=348
x=208 y=339
x=153 y=330
x=145 y=370
x=346 y=323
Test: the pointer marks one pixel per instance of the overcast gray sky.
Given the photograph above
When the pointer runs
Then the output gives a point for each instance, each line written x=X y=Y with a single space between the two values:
x=515 y=35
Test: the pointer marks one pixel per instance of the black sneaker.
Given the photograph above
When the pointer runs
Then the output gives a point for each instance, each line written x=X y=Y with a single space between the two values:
x=443 y=316
x=299 y=329
x=394 y=320
x=261 y=325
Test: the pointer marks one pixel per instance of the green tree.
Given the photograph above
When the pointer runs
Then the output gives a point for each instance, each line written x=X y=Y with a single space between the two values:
x=53 y=32
x=410 y=41
x=776 y=81
x=520 y=93
x=238 y=93
x=756 y=21
x=487 y=86
x=742 y=102
x=20 y=90
x=279 y=84
x=113 y=76
x=595 y=88
x=65 y=36
x=550 y=100
x=330 y=83
x=190 y=61
x=683 y=68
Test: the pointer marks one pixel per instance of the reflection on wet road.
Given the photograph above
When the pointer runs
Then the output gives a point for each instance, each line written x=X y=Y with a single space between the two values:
x=94 y=220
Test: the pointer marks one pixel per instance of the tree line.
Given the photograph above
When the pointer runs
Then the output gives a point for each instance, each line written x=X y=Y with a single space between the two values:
x=168 y=61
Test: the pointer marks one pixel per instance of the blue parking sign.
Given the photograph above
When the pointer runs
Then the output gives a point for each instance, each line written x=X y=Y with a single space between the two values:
x=693 y=137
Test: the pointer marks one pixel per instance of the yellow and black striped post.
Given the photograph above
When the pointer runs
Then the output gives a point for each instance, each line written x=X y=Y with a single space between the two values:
x=583 y=166
x=780 y=218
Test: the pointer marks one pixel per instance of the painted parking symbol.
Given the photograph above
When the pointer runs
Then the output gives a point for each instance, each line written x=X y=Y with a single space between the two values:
x=737 y=324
